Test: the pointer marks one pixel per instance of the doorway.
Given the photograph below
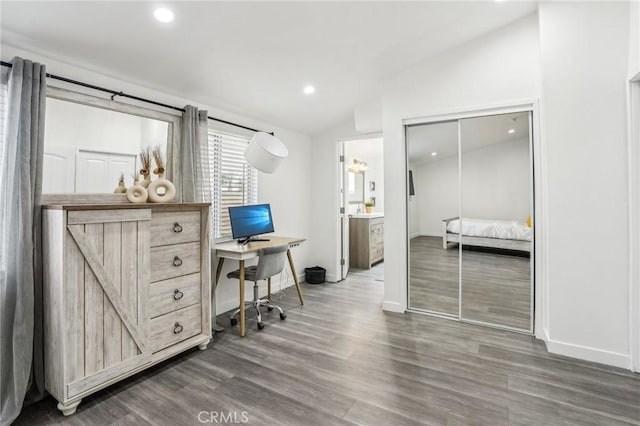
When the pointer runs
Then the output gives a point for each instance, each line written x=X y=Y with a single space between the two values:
x=471 y=220
x=361 y=194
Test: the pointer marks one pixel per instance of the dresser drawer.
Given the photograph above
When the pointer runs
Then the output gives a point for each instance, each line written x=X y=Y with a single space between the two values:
x=174 y=327
x=174 y=261
x=377 y=253
x=174 y=228
x=173 y=294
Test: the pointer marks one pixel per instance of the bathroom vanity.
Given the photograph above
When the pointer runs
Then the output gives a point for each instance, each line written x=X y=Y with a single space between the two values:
x=366 y=239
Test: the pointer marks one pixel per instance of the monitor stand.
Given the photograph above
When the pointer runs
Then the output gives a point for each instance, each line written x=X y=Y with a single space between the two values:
x=245 y=241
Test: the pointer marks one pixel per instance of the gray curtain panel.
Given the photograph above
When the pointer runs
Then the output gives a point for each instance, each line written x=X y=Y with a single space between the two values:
x=191 y=168
x=188 y=160
x=20 y=245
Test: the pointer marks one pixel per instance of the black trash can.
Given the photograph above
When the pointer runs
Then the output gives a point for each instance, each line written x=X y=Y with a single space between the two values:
x=315 y=274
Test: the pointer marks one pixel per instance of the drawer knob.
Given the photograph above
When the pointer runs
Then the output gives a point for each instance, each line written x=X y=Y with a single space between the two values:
x=177 y=295
x=177 y=261
x=177 y=328
x=177 y=227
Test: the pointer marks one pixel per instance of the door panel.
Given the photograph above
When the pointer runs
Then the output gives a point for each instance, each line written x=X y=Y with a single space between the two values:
x=59 y=167
x=433 y=249
x=496 y=277
x=109 y=285
x=99 y=172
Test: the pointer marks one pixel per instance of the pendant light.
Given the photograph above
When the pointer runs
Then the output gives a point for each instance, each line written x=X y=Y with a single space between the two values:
x=265 y=152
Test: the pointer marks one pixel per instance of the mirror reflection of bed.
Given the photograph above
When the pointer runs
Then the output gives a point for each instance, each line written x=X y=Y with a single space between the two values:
x=477 y=268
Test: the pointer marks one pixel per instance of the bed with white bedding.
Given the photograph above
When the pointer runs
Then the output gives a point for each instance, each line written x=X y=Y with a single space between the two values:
x=503 y=234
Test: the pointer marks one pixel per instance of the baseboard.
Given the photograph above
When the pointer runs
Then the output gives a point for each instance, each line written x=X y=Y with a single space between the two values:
x=543 y=334
x=227 y=305
x=429 y=234
x=331 y=278
x=392 y=307
x=425 y=234
x=589 y=354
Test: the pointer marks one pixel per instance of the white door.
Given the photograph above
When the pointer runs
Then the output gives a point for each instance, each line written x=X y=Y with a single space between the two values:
x=344 y=217
x=59 y=166
x=99 y=172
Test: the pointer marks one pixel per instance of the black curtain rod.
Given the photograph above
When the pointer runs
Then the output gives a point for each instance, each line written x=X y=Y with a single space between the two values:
x=136 y=98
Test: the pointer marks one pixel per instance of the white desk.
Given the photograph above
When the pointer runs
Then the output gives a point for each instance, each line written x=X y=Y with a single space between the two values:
x=239 y=252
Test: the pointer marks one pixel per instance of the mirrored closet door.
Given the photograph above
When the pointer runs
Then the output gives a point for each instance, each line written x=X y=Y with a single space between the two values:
x=496 y=225
x=434 y=177
x=470 y=219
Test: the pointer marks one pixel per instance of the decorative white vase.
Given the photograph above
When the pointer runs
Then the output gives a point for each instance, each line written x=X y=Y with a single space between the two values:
x=120 y=189
x=146 y=181
x=137 y=193
x=169 y=190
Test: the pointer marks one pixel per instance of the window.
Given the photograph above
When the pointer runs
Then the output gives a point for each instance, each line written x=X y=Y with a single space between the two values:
x=235 y=180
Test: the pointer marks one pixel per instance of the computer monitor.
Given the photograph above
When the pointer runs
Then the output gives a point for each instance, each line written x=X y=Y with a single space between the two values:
x=249 y=221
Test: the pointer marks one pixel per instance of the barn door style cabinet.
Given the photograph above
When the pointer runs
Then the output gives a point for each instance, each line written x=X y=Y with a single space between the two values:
x=125 y=287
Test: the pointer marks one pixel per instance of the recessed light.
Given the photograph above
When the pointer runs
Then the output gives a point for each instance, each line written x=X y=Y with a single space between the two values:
x=309 y=90
x=163 y=15
x=433 y=154
x=512 y=131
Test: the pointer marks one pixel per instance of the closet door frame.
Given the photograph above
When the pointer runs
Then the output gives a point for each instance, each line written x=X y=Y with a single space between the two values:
x=539 y=289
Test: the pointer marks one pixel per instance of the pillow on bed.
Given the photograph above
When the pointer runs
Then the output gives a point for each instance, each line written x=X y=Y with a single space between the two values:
x=529 y=221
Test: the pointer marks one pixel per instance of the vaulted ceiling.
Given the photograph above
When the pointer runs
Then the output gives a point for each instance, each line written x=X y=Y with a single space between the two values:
x=254 y=57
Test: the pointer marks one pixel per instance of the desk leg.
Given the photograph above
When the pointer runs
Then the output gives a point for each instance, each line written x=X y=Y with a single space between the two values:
x=242 y=331
x=219 y=269
x=215 y=326
x=295 y=276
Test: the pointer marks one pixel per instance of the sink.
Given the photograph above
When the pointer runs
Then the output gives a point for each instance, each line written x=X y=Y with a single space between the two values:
x=366 y=215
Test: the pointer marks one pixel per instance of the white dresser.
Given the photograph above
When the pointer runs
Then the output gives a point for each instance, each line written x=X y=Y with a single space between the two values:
x=125 y=287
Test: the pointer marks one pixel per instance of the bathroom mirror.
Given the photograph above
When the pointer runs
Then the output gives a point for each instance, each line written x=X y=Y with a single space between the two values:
x=355 y=187
x=91 y=141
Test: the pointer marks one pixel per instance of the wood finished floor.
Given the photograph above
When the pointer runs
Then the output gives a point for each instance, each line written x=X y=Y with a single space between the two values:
x=340 y=360
x=496 y=287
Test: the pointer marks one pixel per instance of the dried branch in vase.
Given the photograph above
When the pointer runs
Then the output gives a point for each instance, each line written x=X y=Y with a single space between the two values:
x=157 y=156
x=145 y=161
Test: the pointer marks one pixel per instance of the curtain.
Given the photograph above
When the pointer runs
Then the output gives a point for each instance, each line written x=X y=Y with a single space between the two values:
x=188 y=158
x=20 y=264
x=189 y=165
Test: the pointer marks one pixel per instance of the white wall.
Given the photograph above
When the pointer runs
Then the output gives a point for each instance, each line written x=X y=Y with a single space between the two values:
x=154 y=133
x=584 y=56
x=501 y=67
x=495 y=185
x=496 y=181
x=437 y=195
x=325 y=169
x=79 y=126
x=369 y=151
x=288 y=190
x=634 y=39
x=634 y=179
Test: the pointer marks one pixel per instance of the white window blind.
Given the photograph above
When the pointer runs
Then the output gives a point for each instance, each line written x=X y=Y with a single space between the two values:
x=235 y=180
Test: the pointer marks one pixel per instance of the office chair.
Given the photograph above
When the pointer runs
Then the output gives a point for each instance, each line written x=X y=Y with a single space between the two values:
x=271 y=262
